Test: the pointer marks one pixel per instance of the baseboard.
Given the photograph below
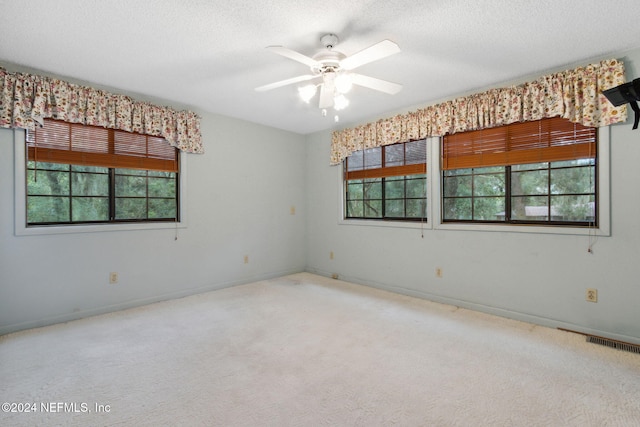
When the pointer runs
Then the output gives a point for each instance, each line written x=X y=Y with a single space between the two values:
x=67 y=317
x=497 y=311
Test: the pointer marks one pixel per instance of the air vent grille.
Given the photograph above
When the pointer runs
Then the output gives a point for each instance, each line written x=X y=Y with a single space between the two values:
x=619 y=345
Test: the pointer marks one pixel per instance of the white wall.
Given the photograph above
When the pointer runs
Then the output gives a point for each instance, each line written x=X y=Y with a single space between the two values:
x=540 y=278
x=239 y=196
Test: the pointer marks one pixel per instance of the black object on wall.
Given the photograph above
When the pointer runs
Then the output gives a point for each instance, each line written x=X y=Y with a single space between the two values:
x=626 y=92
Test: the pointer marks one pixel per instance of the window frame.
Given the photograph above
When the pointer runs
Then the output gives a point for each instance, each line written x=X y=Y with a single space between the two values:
x=20 y=204
x=434 y=200
x=427 y=223
x=112 y=197
x=603 y=205
x=507 y=172
x=382 y=172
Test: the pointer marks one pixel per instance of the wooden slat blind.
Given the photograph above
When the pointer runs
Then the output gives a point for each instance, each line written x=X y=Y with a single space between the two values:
x=73 y=143
x=546 y=140
x=408 y=158
x=387 y=172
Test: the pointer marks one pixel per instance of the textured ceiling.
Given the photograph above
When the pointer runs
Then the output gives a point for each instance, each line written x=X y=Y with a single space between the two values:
x=210 y=54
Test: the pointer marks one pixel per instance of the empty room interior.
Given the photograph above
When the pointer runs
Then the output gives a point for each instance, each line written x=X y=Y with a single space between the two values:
x=319 y=213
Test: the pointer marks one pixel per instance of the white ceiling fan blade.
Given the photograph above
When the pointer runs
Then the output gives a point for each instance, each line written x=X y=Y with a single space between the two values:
x=326 y=94
x=281 y=83
x=372 y=53
x=292 y=54
x=376 y=84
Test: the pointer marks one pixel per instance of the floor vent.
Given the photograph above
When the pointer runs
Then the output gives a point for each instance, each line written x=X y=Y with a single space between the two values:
x=619 y=345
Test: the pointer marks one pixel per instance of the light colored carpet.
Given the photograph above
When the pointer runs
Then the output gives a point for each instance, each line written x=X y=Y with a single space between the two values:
x=304 y=350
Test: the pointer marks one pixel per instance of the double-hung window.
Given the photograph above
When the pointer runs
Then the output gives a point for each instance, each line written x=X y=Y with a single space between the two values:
x=387 y=183
x=79 y=174
x=540 y=172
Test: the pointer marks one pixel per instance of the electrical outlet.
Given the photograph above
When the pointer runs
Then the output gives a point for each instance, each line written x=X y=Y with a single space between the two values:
x=592 y=295
x=439 y=272
x=331 y=255
x=113 y=277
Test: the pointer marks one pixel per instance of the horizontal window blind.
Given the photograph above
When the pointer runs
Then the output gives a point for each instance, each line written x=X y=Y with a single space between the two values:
x=407 y=158
x=546 y=140
x=73 y=143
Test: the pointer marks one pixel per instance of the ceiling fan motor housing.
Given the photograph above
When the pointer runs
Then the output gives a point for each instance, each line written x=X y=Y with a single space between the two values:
x=328 y=61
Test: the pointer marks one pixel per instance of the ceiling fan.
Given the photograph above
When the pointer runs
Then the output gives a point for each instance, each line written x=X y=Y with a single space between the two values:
x=333 y=69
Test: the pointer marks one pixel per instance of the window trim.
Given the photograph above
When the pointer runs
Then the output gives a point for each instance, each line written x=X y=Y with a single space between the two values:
x=20 y=208
x=434 y=200
x=603 y=196
x=427 y=224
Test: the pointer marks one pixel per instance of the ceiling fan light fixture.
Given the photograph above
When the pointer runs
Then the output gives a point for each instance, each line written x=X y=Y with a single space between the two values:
x=343 y=83
x=307 y=92
x=340 y=102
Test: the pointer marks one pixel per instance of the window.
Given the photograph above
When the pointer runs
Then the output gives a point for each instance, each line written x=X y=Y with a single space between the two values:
x=387 y=183
x=78 y=174
x=541 y=172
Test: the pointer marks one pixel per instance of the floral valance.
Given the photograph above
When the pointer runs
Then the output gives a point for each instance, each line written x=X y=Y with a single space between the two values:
x=575 y=95
x=26 y=100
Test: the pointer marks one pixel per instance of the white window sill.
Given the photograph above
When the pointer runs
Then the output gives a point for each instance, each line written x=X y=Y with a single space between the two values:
x=424 y=225
x=21 y=230
x=535 y=229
